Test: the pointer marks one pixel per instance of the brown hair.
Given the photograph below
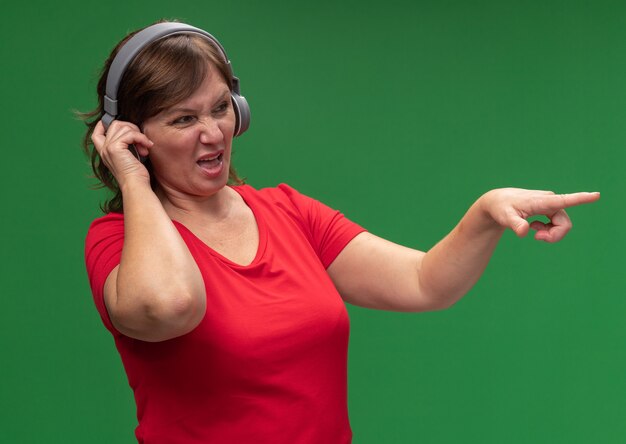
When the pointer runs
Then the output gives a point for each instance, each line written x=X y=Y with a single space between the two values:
x=164 y=73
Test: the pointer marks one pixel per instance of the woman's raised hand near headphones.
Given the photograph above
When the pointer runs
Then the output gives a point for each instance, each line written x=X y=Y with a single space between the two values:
x=113 y=148
x=156 y=292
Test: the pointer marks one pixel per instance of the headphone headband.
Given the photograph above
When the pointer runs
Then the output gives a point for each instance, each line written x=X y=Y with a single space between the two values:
x=143 y=38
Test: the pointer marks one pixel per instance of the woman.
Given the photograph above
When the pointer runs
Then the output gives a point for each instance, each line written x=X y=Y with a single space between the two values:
x=227 y=304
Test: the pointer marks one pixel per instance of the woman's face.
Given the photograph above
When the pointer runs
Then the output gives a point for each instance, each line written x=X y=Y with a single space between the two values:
x=192 y=141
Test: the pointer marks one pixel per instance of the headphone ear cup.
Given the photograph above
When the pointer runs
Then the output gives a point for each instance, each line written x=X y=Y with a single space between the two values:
x=242 y=113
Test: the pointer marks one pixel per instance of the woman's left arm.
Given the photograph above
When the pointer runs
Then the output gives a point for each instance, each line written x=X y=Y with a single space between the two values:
x=375 y=273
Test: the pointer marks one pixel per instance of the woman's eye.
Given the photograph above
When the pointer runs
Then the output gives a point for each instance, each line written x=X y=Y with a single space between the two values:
x=222 y=107
x=183 y=120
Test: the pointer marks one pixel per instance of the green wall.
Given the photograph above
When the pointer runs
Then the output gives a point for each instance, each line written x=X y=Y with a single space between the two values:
x=399 y=113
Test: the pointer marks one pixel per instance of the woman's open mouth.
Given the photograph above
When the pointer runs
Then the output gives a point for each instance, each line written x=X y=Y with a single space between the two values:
x=212 y=164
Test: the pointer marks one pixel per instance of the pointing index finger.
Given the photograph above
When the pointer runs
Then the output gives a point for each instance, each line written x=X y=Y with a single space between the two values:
x=561 y=201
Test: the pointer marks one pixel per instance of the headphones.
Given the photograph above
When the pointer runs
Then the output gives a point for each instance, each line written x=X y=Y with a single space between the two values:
x=143 y=38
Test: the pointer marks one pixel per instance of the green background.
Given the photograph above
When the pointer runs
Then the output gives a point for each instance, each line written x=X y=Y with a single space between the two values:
x=399 y=113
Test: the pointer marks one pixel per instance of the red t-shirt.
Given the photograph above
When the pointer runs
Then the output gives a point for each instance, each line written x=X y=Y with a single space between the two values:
x=267 y=364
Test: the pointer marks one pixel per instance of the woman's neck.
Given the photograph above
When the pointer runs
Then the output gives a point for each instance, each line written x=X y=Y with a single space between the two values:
x=183 y=207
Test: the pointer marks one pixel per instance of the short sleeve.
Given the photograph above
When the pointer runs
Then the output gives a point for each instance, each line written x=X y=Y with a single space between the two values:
x=329 y=231
x=103 y=251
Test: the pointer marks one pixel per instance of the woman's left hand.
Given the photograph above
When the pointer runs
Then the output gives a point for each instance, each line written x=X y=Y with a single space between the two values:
x=375 y=273
x=510 y=207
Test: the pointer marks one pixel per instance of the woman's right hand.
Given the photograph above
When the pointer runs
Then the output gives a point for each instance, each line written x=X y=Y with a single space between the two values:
x=113 y=148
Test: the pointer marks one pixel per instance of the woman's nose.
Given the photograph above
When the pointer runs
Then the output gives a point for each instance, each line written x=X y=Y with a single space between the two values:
x=210 y=131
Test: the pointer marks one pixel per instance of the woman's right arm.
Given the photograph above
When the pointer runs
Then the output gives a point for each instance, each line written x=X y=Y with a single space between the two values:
x=156 y=292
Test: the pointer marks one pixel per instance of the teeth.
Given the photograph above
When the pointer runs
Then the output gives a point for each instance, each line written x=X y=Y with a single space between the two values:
x=209 y=159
